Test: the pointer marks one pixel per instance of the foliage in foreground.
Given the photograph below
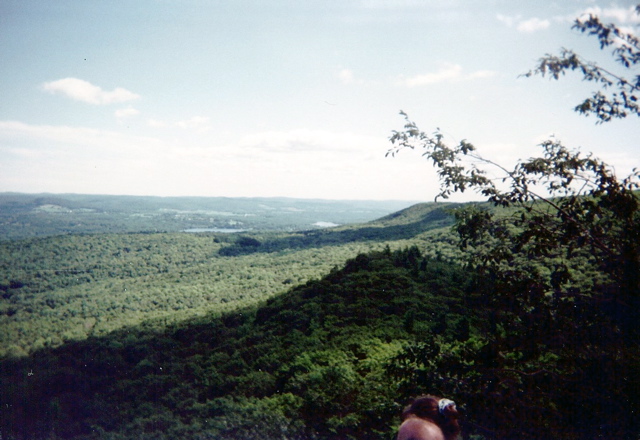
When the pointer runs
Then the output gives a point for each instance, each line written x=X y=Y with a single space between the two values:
x=561 y=357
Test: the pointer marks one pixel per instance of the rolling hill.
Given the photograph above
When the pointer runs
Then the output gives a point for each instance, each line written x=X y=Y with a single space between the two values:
x=308 y=363
x=170 y=336
x=69 y=287
x=31 y=215
x=309 y=334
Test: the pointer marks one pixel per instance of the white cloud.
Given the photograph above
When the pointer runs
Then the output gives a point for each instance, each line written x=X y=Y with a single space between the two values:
x=621 y=15
x=81 y=90
x=532 y=25
x=627 y=19
x=448 y=72
x=346 y=76
x=509 y=21
x=303 y=162
x=155 y=123
x=200 y=123
x=61 y=136
x=480 y=74
x=305 y=141
x=294 y=163
x=126 y=113
x=78 y=159
x=527 y=26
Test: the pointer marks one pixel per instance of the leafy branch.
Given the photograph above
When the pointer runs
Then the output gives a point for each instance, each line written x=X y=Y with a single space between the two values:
x=615 y=105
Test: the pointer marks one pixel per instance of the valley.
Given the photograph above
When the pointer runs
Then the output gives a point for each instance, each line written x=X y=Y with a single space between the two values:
x=310 y=333
x=68 y=287
x=75 y=308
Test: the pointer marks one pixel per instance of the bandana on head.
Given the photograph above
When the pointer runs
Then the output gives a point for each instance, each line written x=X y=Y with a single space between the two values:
x=443 y=403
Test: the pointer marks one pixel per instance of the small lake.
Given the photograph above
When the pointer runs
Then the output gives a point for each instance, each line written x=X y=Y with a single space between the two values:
x=325 y=224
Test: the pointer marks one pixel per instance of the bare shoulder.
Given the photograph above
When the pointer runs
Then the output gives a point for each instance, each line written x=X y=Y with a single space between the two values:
x=419 y=429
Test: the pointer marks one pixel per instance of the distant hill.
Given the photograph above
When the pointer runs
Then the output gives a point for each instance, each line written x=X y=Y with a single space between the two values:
x=30 y=215
x=400 y=225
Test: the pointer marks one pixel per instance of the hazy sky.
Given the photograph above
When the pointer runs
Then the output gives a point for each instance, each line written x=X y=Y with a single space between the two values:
x=283 y=97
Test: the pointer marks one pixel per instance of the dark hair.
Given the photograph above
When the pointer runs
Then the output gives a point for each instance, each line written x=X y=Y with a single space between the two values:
x=428 y=407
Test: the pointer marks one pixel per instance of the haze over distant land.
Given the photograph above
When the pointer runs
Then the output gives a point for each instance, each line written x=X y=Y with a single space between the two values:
x=282 y=98
x=29 y=215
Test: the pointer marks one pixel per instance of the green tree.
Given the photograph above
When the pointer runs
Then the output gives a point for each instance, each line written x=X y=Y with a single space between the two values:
x=557 y=269
x=618 y=94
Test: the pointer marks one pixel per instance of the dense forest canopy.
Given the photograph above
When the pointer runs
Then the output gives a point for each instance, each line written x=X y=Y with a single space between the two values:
x=63 y=288
x=311 y=363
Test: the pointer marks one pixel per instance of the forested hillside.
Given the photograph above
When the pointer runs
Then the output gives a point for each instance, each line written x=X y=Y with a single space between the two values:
x=63 y=288
x=323 y=334
x=311 y=335
x=310 y=363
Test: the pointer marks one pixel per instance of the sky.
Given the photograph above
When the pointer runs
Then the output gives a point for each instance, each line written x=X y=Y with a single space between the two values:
x=285 y=98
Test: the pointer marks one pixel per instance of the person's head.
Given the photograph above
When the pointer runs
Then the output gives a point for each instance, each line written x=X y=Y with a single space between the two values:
x=442 y=412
